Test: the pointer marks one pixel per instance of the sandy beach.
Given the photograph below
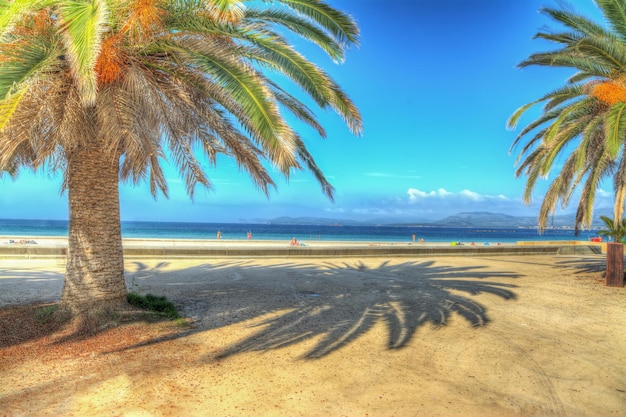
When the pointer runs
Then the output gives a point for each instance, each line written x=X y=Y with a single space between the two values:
x=342 y=336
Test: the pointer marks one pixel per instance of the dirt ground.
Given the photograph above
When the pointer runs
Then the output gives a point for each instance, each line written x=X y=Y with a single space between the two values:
x=445 y=336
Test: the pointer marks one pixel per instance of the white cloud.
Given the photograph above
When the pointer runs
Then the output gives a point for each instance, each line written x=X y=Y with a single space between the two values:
x=430 y=205
x=441 y=194
x=471 y=195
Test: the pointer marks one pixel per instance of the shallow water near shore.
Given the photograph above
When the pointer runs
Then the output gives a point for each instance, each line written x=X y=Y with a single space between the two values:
x=239 y=231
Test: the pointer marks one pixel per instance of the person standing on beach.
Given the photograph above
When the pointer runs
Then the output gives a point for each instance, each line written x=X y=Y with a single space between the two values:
x=249 y=235
x=219 y=234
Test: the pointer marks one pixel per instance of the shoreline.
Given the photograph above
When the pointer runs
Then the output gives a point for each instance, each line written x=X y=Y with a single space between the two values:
x=47 y=246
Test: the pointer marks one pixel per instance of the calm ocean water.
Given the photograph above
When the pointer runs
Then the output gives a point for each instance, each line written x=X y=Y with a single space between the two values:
x=238 y=231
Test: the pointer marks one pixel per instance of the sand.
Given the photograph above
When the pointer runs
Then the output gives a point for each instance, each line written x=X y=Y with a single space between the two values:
x=406 y=336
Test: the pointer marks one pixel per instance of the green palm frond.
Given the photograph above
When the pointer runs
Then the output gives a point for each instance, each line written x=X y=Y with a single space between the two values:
x=247 y=88
x=279 y=56
x=615 y=12
x=339 y=24
x=615 y=125
x=606 y=52
x=544 y=119
x=309 y=77
x=302 y=27
x=574 y=21
x=24 y=62
x=554 y=99
x=327 y=189
x=13 y=11
x=514 y=118
x=592 y=137
x=595 y=72
x=83 y=25
x=557 y=192
x=563 y=95
x=619 y=185
x=297 y=108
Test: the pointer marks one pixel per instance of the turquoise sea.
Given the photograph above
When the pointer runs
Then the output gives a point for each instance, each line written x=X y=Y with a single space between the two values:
x=239 y=231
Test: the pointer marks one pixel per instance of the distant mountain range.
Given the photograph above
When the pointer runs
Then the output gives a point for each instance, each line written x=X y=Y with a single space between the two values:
x=467 y=219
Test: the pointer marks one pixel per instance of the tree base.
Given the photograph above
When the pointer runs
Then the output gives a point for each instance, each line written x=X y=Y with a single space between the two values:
x=99 y=316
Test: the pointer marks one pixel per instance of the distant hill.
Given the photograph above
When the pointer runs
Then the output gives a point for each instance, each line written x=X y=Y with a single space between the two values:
x=465 y=219
x=486 y=219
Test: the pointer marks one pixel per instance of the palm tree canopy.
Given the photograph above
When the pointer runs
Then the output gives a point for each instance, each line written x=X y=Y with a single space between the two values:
x=150 y=78
x=616 y=230
x=583 y=124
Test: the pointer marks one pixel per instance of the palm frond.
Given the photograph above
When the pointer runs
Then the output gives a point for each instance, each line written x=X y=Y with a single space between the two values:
x=83 y=24
x=302 y=27
x=615 y=125
x=308 y=160
x=248 y=89
x=339 y=24
x=605 y=52
x=615 y=13
x=13 y=11
x=574 y=21
x=619 y=186
x=297 y=108
x=309 y=77
x=24 y=63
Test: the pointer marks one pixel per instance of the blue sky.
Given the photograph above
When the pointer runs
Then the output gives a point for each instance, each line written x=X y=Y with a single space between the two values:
x=435 y=81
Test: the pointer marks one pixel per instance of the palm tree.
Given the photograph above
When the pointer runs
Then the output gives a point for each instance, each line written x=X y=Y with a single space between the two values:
x=583 y=124
x=105 y=90
x=615 y=231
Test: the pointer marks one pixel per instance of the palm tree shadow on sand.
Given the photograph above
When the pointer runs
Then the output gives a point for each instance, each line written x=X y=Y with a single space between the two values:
x=587 y=265
x=336 y=303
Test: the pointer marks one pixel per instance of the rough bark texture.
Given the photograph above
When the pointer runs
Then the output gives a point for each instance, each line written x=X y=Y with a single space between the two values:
x=615 y=265
x=94 y=279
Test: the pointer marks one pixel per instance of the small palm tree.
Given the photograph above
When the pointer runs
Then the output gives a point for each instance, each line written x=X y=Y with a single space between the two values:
x=617 y=231
x=105 y=90
x=583 y=124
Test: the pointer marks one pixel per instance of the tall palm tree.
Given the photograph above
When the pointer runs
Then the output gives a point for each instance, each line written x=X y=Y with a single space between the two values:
x=105 y=90
x=583 y=124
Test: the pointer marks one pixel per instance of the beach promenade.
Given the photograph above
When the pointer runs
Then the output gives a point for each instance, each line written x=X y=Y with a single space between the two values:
x=486 y=334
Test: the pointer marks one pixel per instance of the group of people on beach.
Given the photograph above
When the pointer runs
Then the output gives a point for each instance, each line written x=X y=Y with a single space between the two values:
x=219 y=235
x=294 y=241
x=23 y=242
x=413 y=237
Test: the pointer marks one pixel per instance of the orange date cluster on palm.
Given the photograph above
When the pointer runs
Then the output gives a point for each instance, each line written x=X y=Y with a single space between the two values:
x=611 y=92
x=110 y=63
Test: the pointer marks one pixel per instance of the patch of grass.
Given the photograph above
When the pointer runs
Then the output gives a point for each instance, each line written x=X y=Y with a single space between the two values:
x=44 y=315
x=150 y=302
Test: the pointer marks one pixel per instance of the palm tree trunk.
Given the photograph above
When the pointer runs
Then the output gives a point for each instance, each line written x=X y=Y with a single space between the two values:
x=615 y=264
x=94 y=278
